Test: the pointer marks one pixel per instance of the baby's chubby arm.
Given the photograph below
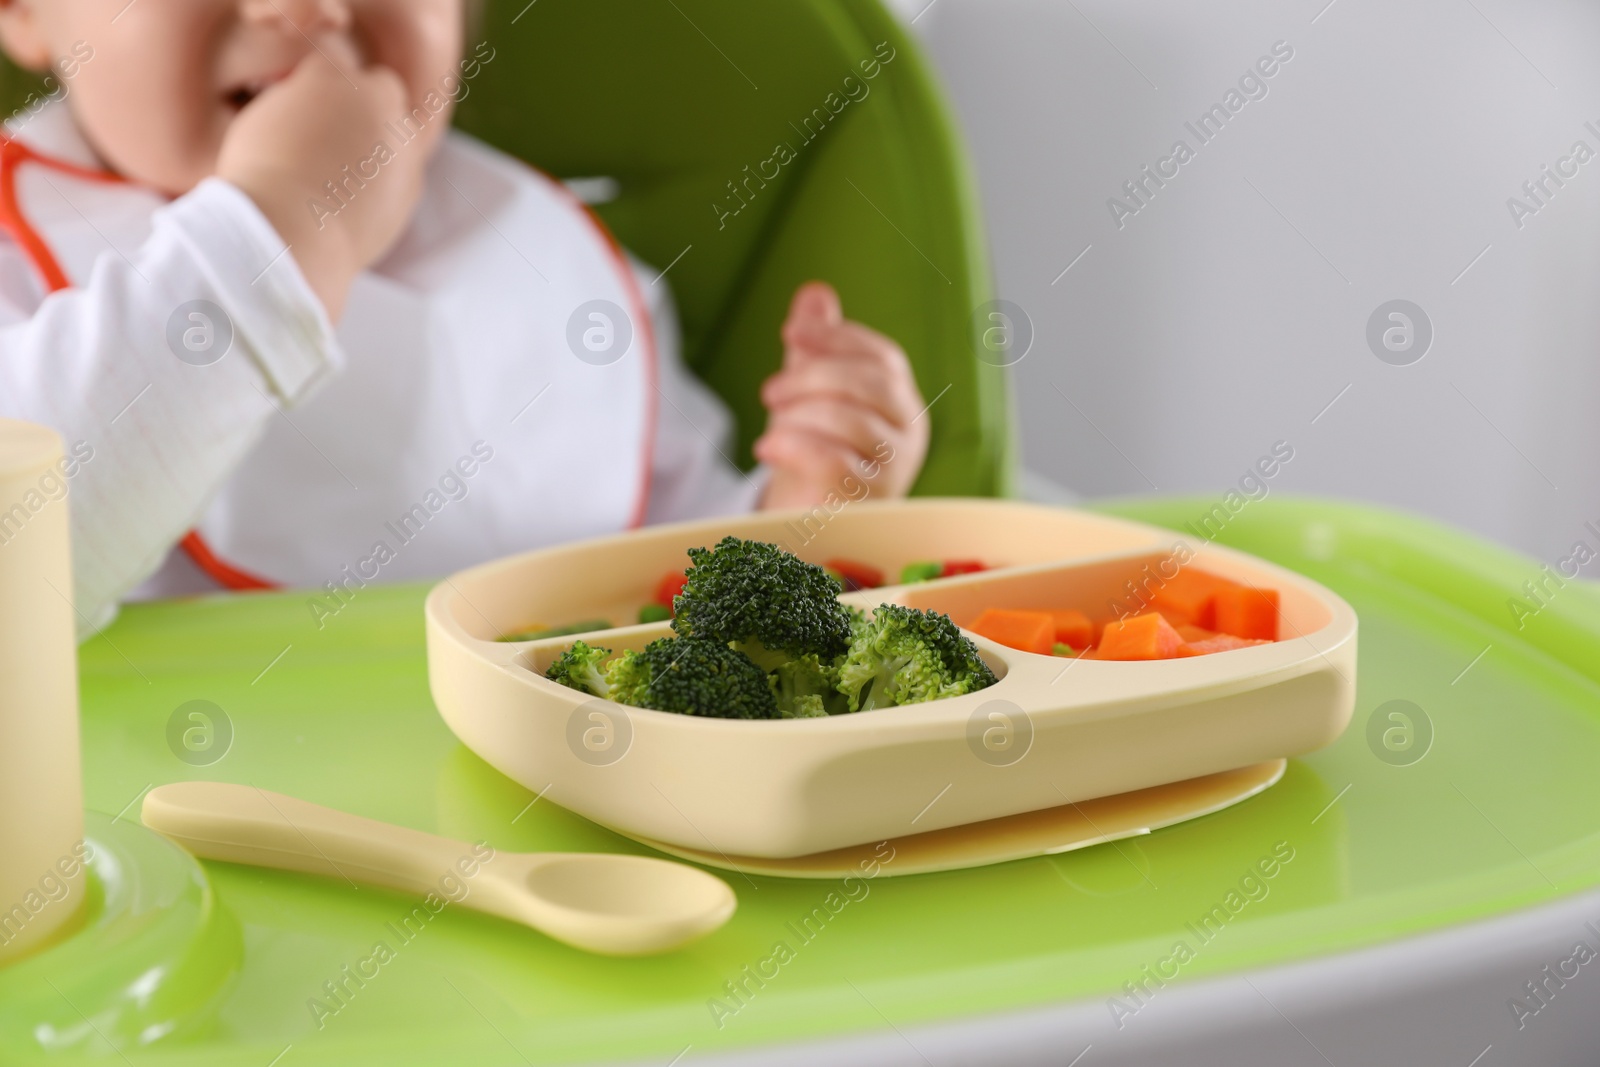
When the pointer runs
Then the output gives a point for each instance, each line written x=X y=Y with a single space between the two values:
x=159 y=370
x=843 y=410
x=163 y=425
x=165 y=428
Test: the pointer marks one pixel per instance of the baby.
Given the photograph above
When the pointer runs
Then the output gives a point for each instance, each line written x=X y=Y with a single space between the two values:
x=291 y=324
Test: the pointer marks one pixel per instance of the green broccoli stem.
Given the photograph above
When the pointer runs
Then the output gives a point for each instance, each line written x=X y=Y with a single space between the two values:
x=881 y=683
x=595 y=680
x=767 y=659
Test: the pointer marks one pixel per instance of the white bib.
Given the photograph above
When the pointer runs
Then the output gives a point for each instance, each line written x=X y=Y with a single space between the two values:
x=498 y=392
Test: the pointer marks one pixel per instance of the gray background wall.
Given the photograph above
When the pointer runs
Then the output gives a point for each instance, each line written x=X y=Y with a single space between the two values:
x=1233 y=308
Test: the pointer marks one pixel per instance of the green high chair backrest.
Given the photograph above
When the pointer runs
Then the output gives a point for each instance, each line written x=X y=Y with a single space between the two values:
x=753 y=146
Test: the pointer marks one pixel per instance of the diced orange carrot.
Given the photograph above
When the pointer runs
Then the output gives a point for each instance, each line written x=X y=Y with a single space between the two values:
x=1029 y=631
x=1188 y=597
x=1218 y=643
x=1191 y=633
x=1248 y=612
x=1147 y=636
x=1073 y=628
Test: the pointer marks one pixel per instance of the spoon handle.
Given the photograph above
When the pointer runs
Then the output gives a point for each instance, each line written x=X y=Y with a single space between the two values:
x=243 y=824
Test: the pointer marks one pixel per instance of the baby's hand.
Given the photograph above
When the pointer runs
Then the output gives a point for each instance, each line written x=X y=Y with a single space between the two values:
x=843 y=411
x=301 y=133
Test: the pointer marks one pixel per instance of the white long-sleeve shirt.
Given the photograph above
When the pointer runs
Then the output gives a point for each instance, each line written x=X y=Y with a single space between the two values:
x=449 y=418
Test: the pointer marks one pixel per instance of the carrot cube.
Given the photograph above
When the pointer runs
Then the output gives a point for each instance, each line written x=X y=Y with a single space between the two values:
x=1191 y=634
x=1028 y=631
x=1189 y=597
x=1248 y=612
x=1073 y=628
x=1147 y=636
x=1218 y=643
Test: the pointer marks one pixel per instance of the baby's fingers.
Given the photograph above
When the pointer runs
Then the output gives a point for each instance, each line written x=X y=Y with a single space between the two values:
x=858 y=428
x=815 y=459
x=814 y=302
x=889 y=391
x=845 y=338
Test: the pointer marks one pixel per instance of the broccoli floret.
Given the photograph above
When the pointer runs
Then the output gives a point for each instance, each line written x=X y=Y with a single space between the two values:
x=806 y=707
x=629 y=678
x=772 y=605
x=807 y=688
x=906 y=656
x=579 y=667
x=692 y=676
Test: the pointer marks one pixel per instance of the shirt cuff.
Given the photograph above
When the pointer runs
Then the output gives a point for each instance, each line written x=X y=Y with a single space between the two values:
x=278 y=321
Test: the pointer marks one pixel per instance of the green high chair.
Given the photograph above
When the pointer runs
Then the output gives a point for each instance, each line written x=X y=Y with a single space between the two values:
x=744 y=163
x=1459 y=805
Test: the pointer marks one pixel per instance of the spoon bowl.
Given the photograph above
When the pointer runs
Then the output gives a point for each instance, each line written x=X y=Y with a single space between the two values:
x=624 y=904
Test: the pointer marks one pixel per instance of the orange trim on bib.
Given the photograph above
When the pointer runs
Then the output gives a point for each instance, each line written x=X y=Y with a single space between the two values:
x=16 y=226
x=225 y=573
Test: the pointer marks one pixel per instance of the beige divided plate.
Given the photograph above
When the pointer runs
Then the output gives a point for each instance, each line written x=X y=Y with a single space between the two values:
x=1050 y=731
x=1015 y=837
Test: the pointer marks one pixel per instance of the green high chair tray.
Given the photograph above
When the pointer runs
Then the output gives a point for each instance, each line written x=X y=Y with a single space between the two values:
x=1476 y=802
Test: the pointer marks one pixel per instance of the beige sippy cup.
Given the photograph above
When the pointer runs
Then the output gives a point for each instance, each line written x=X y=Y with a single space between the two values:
x=42 y=852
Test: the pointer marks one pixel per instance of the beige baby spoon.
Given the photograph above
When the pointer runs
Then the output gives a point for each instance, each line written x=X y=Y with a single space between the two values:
x=613 y=904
